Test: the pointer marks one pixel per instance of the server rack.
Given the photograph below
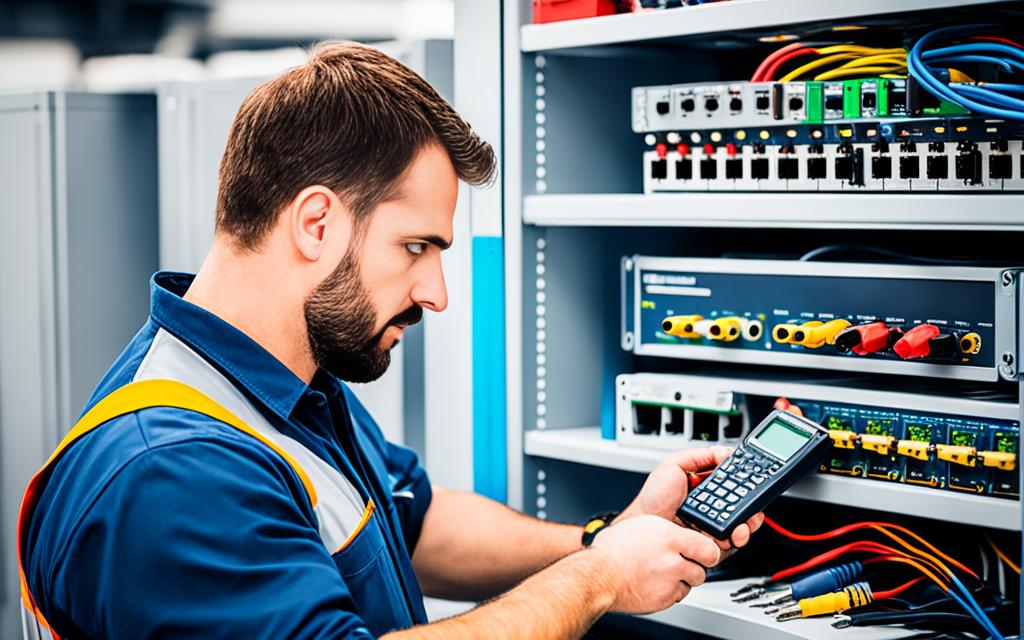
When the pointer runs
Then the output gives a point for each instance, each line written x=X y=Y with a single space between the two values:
x=571 y=208
x=78 y=177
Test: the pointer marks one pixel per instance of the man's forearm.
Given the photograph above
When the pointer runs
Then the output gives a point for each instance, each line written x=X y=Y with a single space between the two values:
x=561 y=602
x=472 y=548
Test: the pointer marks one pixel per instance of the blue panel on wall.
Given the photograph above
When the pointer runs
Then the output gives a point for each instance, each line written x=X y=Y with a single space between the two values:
x=490 y=457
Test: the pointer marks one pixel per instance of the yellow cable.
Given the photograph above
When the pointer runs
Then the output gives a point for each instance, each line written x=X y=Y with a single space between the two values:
x=852 y=48
x=861 y=72
x=872 y=60
x=820 y=62
x=1002 y=556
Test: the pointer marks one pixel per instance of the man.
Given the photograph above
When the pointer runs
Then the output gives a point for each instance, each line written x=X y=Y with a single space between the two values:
x=225 y=483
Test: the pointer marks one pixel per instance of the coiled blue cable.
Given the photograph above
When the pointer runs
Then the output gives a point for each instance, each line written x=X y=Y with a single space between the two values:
x=992 y=106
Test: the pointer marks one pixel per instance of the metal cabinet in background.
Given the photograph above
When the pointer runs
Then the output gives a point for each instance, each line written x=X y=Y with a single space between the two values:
x=78 y=237
x=194 y=119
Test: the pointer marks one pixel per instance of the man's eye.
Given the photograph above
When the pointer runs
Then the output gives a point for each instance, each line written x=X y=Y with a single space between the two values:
x=416 y=248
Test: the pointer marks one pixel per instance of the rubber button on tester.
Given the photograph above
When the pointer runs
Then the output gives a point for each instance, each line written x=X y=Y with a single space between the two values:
x=712 y=513
x=729 y=484
x=703 y=508
x=732 y=497
x=719 y=504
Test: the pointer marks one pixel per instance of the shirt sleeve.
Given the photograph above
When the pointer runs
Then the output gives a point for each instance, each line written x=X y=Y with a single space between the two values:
x=408 y=480
x=203 y=539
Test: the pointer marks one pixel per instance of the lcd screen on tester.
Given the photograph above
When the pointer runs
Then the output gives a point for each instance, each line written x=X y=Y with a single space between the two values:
x=781 y=439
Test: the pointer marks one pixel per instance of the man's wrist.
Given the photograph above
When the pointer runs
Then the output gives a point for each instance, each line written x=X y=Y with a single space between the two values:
x=595 y=525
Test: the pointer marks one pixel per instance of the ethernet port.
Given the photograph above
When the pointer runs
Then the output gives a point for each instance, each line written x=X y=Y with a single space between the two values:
x=937 y=167
x=676 y=421
x=1000 y=167
x=705 y=426
x=734 y=427
x=759 y=168
x=687 y=105
x=708 y=168
x=968 y=164
x=735 y=105
x=817 y=168
x=734 y=168
x=646 y=419
x=684 y=169
x=910 y=167
x=788 y=169
x=762 y=103
x=881 y=167
x=796 y=103
x=662 y=108
x=834 y=102
x=868 y=101
x=659 y=169
x=711 y=104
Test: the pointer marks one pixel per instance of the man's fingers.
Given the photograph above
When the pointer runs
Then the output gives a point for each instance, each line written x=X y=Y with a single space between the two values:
x=698 y=547
x=740 y=535
x=692 y=573
x=755 y=521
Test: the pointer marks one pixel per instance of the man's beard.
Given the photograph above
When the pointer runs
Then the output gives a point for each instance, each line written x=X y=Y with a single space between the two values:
x=340 y=321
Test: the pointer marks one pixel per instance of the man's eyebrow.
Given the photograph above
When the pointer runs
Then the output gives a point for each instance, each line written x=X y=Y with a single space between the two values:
x=438 y=242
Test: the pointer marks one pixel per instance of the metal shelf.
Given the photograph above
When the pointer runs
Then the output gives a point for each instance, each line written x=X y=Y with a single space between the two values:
x=584 y=445
x=708 y=609
x=736 y=15
x=973 y=212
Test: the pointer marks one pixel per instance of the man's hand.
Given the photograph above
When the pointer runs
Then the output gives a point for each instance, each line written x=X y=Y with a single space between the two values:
x=653 y=563
x=666 y=488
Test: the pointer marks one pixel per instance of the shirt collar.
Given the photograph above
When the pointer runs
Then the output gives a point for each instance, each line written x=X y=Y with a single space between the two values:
x=224 y=346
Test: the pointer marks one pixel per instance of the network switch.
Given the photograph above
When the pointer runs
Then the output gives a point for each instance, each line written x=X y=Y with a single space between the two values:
x=937 y=154
x=730 y=105
x=953 y=322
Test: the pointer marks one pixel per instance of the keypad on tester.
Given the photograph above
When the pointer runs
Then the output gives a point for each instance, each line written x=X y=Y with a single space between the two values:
x=718 y=496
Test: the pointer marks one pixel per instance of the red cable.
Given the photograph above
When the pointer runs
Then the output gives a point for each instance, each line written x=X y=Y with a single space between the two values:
x=999 y=40
x=891 y=593
x=865 y=546
x=771 y=58
x=770 y=72
x=847 y=529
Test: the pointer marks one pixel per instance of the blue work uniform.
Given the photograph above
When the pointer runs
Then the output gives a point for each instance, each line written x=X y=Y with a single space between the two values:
x=166 y=522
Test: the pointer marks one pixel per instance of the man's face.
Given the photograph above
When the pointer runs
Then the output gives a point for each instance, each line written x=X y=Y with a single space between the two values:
x=388 y=276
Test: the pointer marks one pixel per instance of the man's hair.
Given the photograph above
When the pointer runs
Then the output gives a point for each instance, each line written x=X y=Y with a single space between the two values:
x=351 y=119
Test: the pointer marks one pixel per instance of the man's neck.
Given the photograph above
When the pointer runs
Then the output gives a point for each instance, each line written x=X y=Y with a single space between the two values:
x=252 y=294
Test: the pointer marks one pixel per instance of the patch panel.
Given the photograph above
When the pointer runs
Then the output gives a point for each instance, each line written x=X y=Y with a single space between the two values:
x=954 y=452
x=675 y=416
x=953 y=322
x=717 y=105
x=920 y=155
x=963 y=446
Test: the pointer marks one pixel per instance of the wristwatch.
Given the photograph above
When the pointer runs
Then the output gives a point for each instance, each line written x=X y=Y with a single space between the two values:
x=595 y=524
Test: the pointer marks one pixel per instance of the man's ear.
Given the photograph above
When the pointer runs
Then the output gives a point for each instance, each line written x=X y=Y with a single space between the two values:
x=315 y=210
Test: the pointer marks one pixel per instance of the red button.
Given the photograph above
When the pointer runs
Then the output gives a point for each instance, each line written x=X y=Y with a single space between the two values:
x=661 y=149
x=730 y=149
x=709 y=149
x=683 y=149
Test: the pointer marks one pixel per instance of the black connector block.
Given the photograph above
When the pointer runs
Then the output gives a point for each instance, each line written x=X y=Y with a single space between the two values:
x=937 y=167
x=850 y=165
x=817 y=168
x=734 y=168
x=708 y=168
x=659 y=169
x=684 y=169
x=881 y=167
x=1000 y=167
x=759 y=168
x=910 y=167
x=968 y=163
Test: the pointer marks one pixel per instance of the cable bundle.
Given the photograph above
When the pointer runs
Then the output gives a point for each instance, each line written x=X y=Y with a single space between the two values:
x=834 y=61
x=929 y=561
x=959 y=45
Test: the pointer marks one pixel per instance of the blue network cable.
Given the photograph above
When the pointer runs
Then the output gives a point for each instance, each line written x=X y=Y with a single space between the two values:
x=985 y=99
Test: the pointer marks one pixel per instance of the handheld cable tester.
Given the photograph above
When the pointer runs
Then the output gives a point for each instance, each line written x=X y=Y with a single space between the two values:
x=772 y=457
